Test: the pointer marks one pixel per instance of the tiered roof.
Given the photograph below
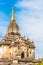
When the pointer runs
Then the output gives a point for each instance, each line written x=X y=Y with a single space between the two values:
x=13 y=37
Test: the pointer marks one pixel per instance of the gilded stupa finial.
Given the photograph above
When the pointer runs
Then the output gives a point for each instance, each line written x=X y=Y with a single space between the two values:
x=12 y=17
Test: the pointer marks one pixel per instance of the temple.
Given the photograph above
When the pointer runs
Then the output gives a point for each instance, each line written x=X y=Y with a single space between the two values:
x=15 y=49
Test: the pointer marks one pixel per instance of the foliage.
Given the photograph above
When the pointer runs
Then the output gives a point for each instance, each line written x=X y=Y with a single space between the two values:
x=39 y=64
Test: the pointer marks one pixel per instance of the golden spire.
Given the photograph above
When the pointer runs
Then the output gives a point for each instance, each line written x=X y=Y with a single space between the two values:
x=12 y=17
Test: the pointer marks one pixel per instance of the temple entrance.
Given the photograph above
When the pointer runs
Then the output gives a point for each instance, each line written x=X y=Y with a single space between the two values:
x=22 y=55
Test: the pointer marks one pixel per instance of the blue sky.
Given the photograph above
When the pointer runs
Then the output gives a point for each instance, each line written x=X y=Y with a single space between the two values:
x=29 y=16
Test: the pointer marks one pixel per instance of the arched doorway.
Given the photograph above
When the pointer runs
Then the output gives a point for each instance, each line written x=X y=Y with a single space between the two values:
x=22 y=55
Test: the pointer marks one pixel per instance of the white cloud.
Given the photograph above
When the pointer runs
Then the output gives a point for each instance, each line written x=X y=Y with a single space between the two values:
x=35 y=4
x=30 y=19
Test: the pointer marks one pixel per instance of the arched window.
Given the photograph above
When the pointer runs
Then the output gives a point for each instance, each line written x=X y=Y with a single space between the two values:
x=22 y=55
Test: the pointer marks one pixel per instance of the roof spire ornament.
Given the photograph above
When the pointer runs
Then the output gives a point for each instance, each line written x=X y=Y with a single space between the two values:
x=12 y=17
